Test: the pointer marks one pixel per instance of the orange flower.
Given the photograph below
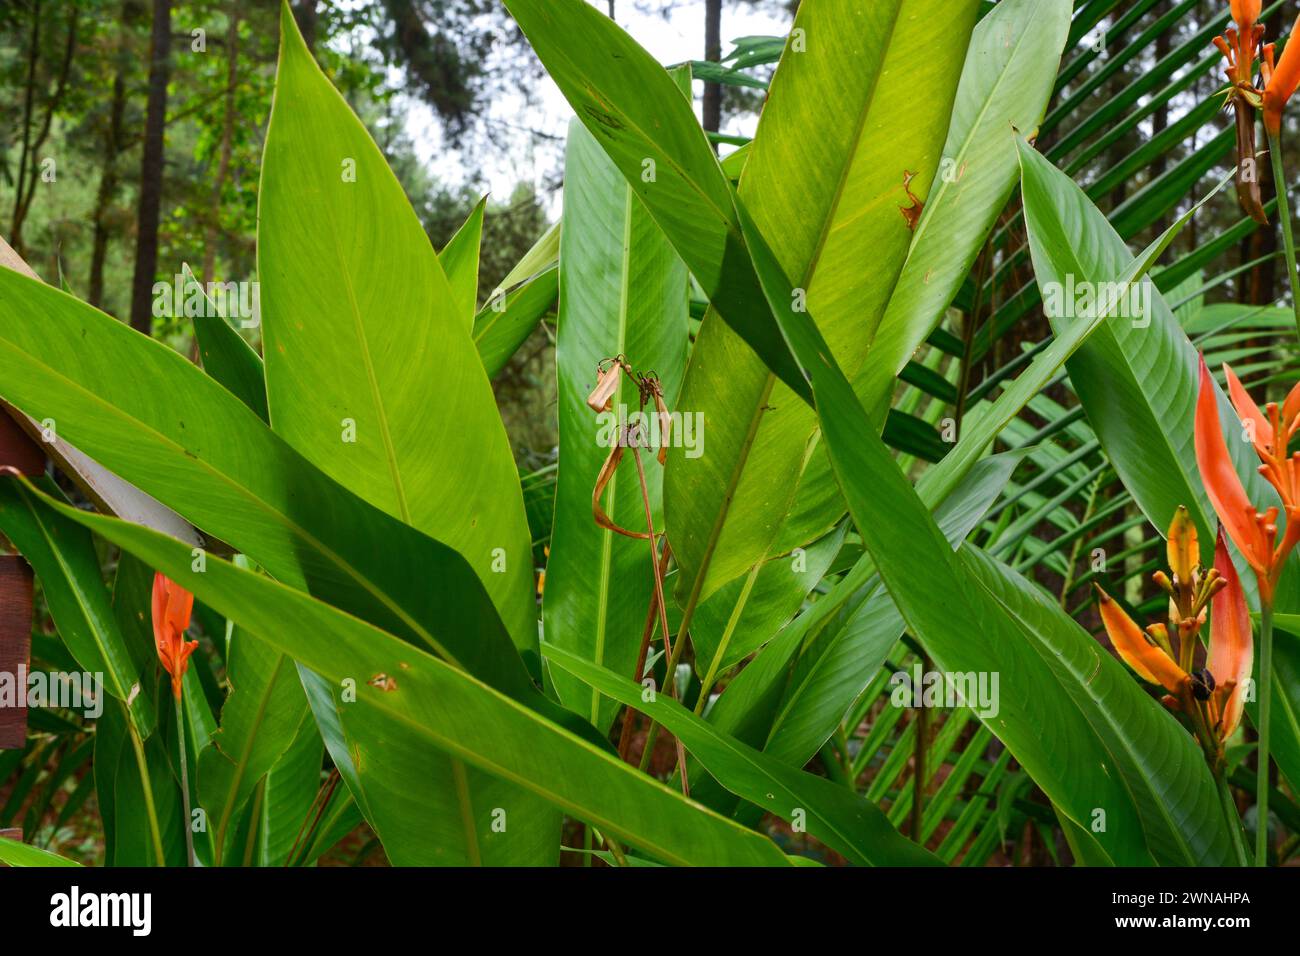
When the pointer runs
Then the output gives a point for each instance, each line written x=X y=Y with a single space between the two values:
x=1280 y=81
x=1254 y=534
x=172 y=605
x=1211 y=698
x=1232 y=649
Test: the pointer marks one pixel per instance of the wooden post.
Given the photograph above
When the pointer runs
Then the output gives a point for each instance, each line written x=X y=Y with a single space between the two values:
x=15 y=644
x=21 y=453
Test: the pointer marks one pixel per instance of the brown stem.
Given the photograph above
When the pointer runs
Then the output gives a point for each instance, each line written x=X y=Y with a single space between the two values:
x=659 y=600
x=651 y=618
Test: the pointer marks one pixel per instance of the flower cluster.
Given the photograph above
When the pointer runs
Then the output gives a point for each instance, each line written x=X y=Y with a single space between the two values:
x=1212 y=696
x=1278 y=81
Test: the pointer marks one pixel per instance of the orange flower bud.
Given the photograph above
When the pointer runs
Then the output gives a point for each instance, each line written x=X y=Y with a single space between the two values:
x=172 y=605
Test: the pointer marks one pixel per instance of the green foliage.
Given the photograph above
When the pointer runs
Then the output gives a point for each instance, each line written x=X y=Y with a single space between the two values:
x=909 y=459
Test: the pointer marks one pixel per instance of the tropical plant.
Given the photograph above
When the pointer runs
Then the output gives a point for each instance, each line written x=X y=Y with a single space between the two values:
x=829 y=497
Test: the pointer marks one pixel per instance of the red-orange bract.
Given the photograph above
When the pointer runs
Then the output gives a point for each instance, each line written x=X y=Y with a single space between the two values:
x=172 y=605
x=1254 y=533
x=1280 y=80
x=1232 y=649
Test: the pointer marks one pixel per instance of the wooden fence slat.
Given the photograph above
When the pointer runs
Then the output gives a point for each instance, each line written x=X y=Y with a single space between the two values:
x=15 y=646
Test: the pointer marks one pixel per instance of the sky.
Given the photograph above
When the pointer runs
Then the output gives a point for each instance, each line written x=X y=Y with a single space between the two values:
x=668 y=40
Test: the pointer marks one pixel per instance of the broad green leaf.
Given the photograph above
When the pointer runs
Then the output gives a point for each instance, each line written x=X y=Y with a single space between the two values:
x=543 y=255
x=622 y=293
x=834 y=814
x=839 y=661
x=635 y=110
x=1005 y=84
x=16 y=853
x=370 y=370
x=64 y=559
x=455 y=712
x=379 y=345
x=397 y=816
x=142 y=410
x=509 y=318
x=224 y=353
x=446 y=822
x=747 y=613
x=1136 y=376
x=827 y=184
x=288 y=791
x=264 y=712
x=460 y=261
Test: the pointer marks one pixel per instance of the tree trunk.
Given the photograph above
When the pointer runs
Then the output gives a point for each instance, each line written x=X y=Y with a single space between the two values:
x=29 y=97
x=713 y=53
x=304 y=11
x=151 y=171
x=108 y=182
x=227 y=136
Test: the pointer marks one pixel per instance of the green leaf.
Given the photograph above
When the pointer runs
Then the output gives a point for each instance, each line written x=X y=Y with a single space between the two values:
x=1136 y=376
x=825 y=183
x=370 y=370
x=288 y=791
x=747 y=613
x=1005 y=84
x=839 y=661
x=622 y=293
x=224 y=353
x=157 y=421
x=985 y=422
x=16 y=853
x=460 y=261
x=544 y=254
x=446 y=822
x=456 y=713
x=263 y=714
x=836 y=815
x=648 y=128
x=1160 y=763
x=64 y=559
x=509 y=318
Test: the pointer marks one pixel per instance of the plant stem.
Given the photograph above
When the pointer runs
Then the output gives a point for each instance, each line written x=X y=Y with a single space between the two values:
x=1265 y=713
x=155 y=832
x=1232 y=818
x=663 y=607
x=1284 y=214
x=185 y=780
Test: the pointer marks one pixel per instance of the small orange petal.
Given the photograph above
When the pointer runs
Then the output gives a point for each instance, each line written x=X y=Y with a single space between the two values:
x=1232 y=649
x=1291 y=411
x=1249 y=412
x=1282 y=83
x=1245 y=12
x=1222 y=483
x=1150 y=663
